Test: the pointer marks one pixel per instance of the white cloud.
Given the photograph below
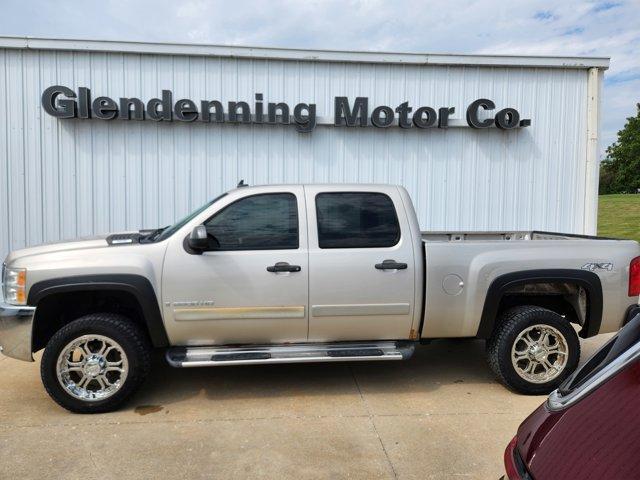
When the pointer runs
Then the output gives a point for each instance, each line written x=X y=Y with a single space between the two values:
x=572 y=27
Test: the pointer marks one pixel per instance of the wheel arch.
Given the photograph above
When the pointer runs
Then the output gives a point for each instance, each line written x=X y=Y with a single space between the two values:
x=135 y=291
x=589 y=281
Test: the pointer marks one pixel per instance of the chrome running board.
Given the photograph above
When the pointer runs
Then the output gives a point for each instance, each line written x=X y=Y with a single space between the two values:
x=291 y=353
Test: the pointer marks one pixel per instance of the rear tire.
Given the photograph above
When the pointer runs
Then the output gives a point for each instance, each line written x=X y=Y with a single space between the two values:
x=533 y=349
x=95 y=363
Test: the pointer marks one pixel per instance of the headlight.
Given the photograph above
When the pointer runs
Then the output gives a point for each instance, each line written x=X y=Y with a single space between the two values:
x=14 y=283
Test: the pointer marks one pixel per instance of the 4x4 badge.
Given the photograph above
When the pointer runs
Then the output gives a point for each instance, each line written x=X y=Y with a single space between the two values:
x=608 y=266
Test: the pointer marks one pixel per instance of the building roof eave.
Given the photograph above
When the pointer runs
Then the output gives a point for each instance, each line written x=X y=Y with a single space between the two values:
x=294 y=54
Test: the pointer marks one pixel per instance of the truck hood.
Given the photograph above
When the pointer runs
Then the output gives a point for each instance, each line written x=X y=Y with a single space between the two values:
x=84 y=243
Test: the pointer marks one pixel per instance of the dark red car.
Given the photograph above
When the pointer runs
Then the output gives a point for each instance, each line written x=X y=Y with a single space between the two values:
x=589 y=428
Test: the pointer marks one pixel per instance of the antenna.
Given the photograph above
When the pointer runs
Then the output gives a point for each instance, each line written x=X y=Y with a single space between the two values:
x=242 y=184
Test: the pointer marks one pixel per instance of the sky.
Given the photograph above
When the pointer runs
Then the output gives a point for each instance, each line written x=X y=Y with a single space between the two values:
x=564 y=28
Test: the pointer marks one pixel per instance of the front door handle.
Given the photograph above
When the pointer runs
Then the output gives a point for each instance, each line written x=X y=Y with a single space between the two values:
x=283 y=267
x=391 y=265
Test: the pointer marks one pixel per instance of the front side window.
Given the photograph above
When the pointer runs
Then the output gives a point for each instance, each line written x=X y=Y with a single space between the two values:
x=259 y=222
x=356 y=220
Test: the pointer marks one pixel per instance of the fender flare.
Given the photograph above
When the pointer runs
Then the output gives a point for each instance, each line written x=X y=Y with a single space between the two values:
x=587 y=280
x=137 y=285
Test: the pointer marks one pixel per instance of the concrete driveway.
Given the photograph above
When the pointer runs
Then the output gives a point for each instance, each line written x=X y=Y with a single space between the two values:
x=438 y=415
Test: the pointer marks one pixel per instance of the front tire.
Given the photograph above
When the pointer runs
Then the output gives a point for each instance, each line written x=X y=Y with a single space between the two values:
x=95 y=363
x=533 y=349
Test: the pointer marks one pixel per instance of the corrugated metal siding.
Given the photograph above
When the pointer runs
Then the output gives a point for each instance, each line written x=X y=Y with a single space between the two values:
x=63 y=179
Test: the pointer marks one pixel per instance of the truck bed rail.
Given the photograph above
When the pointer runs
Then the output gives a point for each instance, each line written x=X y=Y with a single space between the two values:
x=505 y=236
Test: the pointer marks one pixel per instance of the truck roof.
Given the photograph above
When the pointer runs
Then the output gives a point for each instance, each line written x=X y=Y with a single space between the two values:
x=333 y=185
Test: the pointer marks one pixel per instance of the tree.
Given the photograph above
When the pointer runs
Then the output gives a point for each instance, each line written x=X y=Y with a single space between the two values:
x=620 y=170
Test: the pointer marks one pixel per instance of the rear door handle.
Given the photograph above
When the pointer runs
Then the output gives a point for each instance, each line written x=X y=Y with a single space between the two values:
x=391 y=265
x=283 y=267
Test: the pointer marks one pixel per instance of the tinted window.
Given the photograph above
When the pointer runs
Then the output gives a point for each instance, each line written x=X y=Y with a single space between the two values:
x=259 y=222
x=628 y=337
x=356 y=220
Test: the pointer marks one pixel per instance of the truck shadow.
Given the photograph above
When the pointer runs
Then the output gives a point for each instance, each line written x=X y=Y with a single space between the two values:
x=442 y=362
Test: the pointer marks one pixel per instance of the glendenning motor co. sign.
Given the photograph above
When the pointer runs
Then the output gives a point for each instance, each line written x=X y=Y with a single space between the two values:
x=63 y=102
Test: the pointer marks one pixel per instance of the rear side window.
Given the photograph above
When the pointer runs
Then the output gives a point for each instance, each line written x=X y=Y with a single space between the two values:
x=259 y=222
x=356 y=220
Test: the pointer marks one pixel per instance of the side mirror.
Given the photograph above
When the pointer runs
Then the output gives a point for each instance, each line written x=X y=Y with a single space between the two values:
x=198 y=239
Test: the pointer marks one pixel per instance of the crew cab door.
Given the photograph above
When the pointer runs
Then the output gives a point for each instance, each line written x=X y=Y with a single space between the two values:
x=253 y=288
x=361 y=266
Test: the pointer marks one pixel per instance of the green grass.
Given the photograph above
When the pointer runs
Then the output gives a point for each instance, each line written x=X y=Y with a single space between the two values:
x=619 y=216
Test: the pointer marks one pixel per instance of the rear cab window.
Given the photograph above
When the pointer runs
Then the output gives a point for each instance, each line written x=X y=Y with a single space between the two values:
x=356 y=220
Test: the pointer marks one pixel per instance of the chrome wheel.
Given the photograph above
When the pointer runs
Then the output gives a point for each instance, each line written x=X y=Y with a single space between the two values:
x=539 y=353
x=92 y=367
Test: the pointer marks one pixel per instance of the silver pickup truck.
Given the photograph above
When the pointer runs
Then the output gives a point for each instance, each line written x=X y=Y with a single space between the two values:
x=307 y=273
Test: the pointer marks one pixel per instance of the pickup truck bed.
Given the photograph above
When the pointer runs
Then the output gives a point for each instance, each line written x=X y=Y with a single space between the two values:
x=563 y=265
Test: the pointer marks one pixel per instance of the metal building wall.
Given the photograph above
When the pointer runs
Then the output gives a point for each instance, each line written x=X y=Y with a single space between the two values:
x=68 y=178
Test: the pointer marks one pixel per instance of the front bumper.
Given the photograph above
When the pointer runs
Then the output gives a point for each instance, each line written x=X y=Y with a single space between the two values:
x=15 y=330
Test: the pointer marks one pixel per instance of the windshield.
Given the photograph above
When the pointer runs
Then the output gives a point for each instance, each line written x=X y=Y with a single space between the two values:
x=170 y=230
x=627 y=338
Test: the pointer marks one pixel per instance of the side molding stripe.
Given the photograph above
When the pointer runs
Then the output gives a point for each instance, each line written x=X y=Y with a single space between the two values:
x=360 y=310
x=236 y=313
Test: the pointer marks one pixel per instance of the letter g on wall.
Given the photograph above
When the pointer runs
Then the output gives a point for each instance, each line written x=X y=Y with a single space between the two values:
x=64 y=108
